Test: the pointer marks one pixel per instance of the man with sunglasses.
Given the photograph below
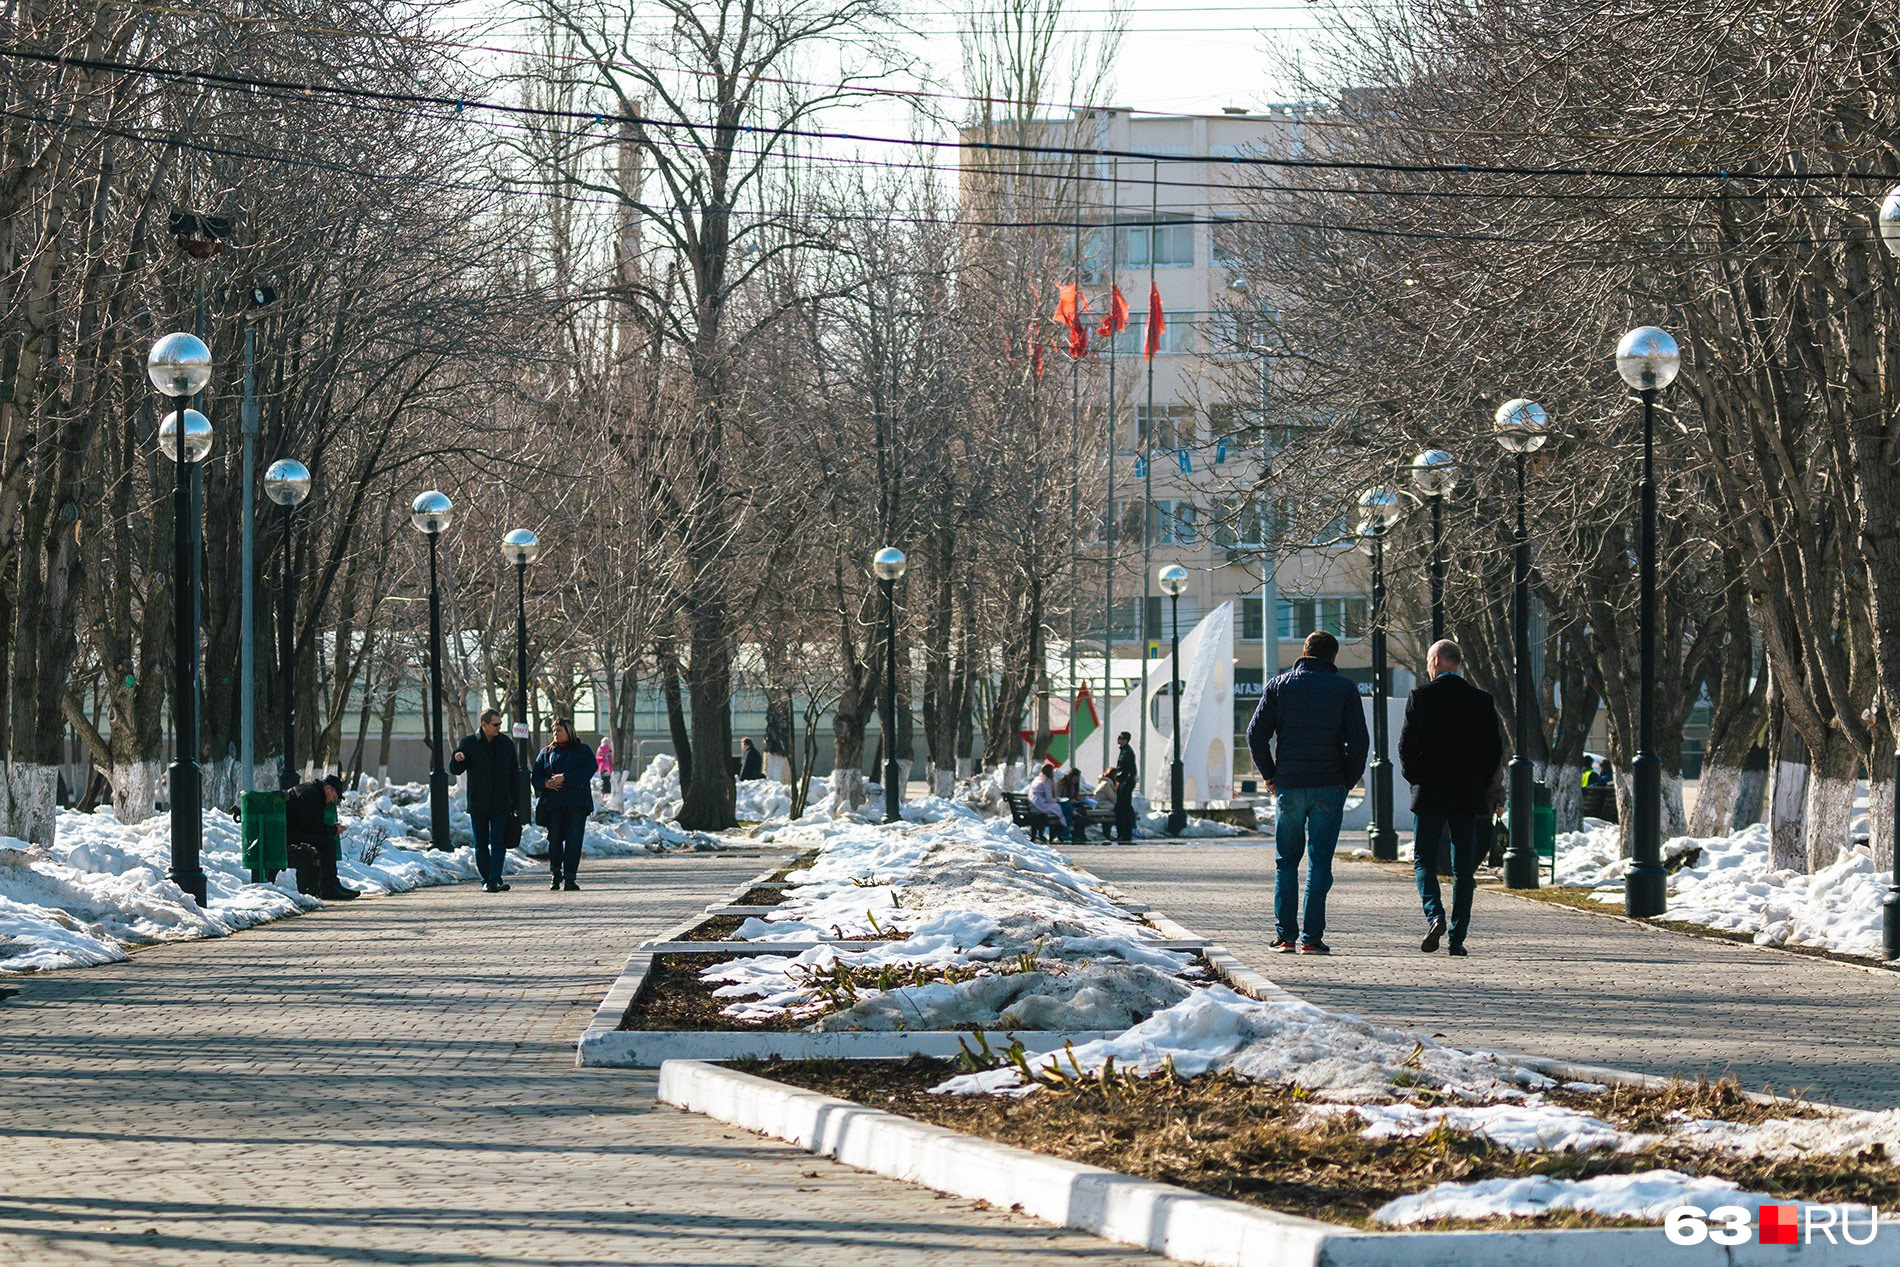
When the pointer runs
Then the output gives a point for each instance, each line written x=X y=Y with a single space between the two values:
x=487 y=758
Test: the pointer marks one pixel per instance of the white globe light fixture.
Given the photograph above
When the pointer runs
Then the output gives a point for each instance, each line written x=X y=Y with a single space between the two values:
x=1520 y=426
x=179 y=365
x=432 y=512
x=889 y=564
x=287 y=482
x=520 y=546
x=1648 y=358
x=1435 y=473
x=197 y=433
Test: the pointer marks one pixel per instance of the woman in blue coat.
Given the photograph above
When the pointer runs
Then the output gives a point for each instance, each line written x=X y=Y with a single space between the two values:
x=563 y=778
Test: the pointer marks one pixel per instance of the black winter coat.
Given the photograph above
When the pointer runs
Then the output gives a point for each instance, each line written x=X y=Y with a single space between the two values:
x=1450 y=747
x=491 y=767
x=1126 y=776
x=577 y=762
x=304 y=817
x=1309 y=729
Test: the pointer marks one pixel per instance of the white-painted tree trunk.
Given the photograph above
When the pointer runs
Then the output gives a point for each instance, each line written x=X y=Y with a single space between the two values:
x=847 y=788
x=1715 y=802
x=942 y=782
x=966 y=766
x=1673 y=821
x=134 y=788
x=1787 y=816
x=222 y=781
x=1830 y=816
x=1880 y=820
x=778 y=768
x=32 y=802
x=1750 y=798
x=1566 y=794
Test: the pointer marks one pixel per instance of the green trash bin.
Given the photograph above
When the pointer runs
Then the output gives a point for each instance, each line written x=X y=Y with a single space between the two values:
x=262 y=821
x=1544 y=826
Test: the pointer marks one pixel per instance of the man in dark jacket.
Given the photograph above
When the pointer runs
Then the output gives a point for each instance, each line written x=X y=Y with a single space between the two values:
x=1126 y=777
x=1452 y=753
x=313 y=838
x=488 y=759
x=751 y=764
x=1308 y=739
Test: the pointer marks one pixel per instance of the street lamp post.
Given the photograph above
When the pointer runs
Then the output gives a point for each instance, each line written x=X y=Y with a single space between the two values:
x=431 y=513
x=287 y=483
x=521 y=547
x=179 y=366
x=1521 y=427
x=1435 y=476
x=1173 y=580
x=1890 y=905
x=1647 y=358
x=1379 y=509
x=890 y=564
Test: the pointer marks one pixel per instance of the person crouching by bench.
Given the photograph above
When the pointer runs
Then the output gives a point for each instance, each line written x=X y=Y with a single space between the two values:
x=314 y=840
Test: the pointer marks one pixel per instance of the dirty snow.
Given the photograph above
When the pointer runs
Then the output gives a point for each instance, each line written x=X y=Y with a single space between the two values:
x=1649 y=1195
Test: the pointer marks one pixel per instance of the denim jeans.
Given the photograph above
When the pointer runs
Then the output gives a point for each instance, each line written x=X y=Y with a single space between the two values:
x=491 y=845
x=1306 y=823
x=564 y=842
x=1464 y=868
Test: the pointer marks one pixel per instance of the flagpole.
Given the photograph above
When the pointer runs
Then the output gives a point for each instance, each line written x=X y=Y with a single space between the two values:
x=1147 y=477
x=1108 y=589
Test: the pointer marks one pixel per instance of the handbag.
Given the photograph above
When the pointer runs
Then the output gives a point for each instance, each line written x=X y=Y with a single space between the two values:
x=543 y=813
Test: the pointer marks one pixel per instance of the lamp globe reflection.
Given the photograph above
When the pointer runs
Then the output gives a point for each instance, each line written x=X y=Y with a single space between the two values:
x=431 y=512
x=1173 y=580
x=179 y=365
x=1521 y=426
x=1435 y=473
x=520 y=546
x=1380 y=507
x=1648 y=358
x=1890 y=220
x=889 y=564
x=287 y=482
x=197 y=429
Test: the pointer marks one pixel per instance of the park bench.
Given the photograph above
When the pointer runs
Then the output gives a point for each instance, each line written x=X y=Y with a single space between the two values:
x=1038 y=824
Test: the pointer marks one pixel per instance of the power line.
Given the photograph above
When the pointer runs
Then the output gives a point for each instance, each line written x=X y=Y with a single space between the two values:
x=458 y=104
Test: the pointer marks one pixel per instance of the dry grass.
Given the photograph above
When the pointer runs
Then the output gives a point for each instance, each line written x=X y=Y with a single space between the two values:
x=1253 y=1143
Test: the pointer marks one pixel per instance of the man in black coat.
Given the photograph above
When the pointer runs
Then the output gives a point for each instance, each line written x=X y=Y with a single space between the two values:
x=1451 y=751
x=488 y=758
x=313 y=838
x=751 y=764
x=1126 y=777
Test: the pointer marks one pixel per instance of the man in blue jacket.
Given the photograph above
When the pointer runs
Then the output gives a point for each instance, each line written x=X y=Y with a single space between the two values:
x=1308 y=739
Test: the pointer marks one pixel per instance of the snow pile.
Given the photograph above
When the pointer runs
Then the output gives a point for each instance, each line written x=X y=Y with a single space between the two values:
x=979 y=927
x=102 y=886
x=656 y=794
x=1524 y=1127
x=1284 y=1041
x=1649 y=1195
x=1732 y=887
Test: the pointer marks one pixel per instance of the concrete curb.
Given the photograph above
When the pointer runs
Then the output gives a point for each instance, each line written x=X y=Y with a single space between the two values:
x=1176 y=1223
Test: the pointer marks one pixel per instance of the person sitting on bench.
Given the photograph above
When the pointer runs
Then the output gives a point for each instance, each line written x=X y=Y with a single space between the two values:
x=313 y=838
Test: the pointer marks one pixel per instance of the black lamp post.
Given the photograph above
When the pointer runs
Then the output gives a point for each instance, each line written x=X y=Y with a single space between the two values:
x=179 y=366
x=430 y=513
x=521 y=547
x=1647 y=359
x=287 y=483
x=1435 y=476
x=1174 y=579
x=1890 y=905
x=1521 y=427
x=889 y=564
x=1379 y=509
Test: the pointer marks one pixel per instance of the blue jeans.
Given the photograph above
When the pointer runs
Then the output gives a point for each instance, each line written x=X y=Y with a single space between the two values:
x=491 y=845
x=1464 y=868
x=1306 y=823
x=564 y=842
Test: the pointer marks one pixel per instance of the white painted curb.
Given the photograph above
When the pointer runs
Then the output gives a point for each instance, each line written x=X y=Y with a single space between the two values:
x=1174 y=1222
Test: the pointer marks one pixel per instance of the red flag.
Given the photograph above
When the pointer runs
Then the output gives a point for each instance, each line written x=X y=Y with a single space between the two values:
x=1038 y=354
x=1070 y=312
x=1157 y=323
x=1116 y=319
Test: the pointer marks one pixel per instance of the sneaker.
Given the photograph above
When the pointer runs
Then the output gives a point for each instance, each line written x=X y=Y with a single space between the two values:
x=1315 y=948
x=571 y=887
x=1432 y=936
x=1283 y=947
x=1459 y=950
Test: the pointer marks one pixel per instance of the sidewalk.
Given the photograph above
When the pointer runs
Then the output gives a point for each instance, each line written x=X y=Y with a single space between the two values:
x=393 y=1081
x=1542 y=979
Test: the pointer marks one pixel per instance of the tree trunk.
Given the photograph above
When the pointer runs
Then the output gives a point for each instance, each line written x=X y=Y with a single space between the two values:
x=676 y=714
x=1829 y=808
x=708 y=803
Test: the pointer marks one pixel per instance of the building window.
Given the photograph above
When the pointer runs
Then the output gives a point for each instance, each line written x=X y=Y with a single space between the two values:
x=1174 y=522
x=1344 y=616
x=1172 y=245
x=1169 y=427
x=1177 y=337
x=1252 y=619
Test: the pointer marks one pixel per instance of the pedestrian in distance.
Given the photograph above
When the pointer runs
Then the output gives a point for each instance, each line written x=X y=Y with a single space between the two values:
x=1044 y=801
x=604 y=763
x=489 y=768
x=314 y=839
x=751 y=763
x=1451 y=751
x=1308 y=739
x=563 y=779
x=1127 y=775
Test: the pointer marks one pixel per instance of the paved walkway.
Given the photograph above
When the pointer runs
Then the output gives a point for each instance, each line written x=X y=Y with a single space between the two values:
x=1543 y=979
x=393 y=1082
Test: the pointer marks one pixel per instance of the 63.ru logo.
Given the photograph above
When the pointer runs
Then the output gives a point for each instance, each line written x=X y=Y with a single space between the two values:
x=1777 y=1224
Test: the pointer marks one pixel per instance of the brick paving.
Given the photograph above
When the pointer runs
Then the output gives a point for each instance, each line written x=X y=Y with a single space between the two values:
x=392 y=1082
x=1542 y=979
